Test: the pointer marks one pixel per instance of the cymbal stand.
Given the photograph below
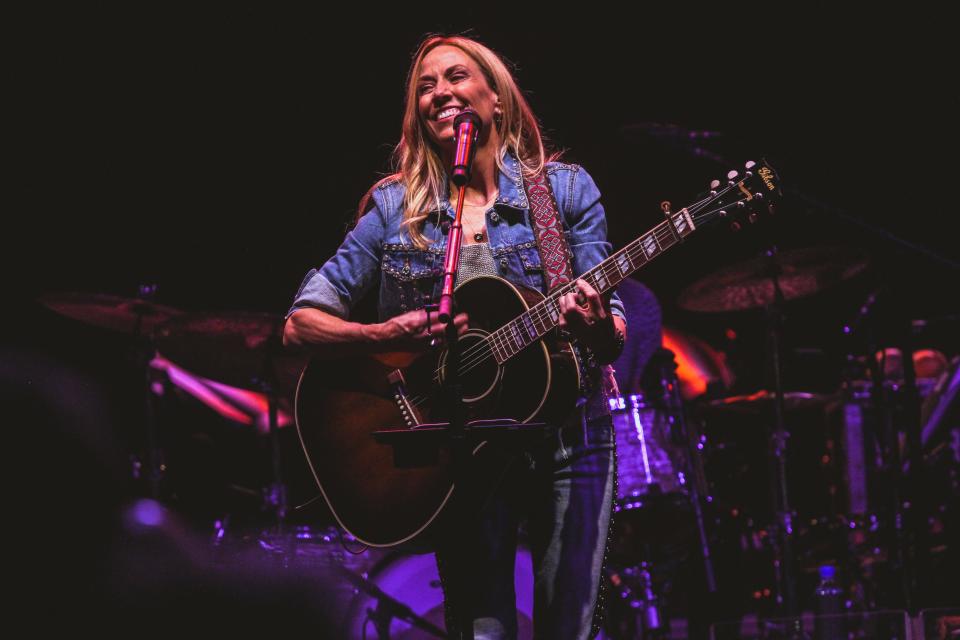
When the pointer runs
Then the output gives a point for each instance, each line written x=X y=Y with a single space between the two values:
x=901 y=422
x=896 y=407
x=783 y=538
x=916 y=505
x=696 y=482
x=276 y=494
x=145 y=352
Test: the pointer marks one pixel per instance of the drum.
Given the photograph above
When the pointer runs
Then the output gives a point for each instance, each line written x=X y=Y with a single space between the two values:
x=740 y=464
x=653 y=516
x=412 y=581
x=649 y=456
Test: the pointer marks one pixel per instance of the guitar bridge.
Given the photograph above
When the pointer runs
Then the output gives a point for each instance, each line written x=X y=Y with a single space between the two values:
x=407 y=409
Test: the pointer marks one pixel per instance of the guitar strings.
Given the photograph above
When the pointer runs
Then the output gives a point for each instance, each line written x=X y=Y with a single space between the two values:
x=537 y=311
x=483 y=350
x=477 y=353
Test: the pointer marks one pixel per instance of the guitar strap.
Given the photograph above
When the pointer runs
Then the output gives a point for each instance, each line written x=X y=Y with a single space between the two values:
x=552 y=246
x=548 y=231
x=555 y=258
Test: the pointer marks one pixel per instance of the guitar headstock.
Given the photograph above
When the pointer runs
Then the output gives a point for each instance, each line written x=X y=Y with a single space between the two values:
x=741 y=198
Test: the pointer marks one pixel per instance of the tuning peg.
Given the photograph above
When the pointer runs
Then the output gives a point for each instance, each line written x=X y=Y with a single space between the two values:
x=752 y=218
x=731 y=174
x=735 y=226
x=749 y=165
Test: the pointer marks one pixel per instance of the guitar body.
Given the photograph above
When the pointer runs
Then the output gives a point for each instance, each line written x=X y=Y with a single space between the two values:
x=339 y=404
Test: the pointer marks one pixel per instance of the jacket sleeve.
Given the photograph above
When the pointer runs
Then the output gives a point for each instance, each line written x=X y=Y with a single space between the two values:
x=346 y=277
x=588 y=227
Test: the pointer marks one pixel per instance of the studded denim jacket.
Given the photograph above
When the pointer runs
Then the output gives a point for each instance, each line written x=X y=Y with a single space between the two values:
x=409 y=277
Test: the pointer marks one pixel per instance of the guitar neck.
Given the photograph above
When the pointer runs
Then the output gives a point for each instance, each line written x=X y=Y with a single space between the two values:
x=543 y=317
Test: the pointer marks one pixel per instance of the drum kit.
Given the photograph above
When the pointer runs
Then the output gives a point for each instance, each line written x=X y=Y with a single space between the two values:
x=746 y=493
x=762 y=488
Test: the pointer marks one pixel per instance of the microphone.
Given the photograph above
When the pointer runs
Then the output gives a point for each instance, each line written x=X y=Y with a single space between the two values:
x=466 y=129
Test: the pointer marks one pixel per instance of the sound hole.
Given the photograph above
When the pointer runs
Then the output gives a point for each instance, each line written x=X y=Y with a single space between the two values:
x=479 y=371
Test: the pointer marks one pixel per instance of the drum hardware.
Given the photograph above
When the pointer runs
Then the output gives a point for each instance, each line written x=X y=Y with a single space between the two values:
x=401 y=598
x=941 y=406
x=893 y=404
x=660 y=485
x=636 y=594
x=239 y=349
x=768 y=282
x=689 y=443
x=139 y=318
x=388 y=609
x=784 y=569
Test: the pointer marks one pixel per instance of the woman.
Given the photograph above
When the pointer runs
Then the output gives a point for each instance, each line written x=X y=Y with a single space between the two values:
x=399 y=242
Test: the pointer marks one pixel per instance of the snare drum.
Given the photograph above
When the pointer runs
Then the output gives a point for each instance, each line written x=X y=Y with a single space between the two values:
x=653 y=518
x=649 y=457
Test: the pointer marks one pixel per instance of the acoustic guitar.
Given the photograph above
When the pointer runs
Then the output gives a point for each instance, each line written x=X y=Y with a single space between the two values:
x=514 y=364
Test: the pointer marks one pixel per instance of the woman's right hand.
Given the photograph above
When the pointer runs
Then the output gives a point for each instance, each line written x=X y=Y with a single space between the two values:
x=415 y=331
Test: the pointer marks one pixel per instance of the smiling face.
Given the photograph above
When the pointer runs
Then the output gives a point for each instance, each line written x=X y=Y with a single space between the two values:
x=448 y=82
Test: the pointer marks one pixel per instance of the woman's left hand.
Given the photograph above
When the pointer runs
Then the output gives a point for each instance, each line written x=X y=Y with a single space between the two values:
x=583 y=314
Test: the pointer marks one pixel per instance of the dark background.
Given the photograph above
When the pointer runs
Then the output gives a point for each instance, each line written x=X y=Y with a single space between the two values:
x=219 y=151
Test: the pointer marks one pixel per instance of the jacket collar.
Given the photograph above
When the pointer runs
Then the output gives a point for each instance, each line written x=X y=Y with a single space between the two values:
x=510 y=182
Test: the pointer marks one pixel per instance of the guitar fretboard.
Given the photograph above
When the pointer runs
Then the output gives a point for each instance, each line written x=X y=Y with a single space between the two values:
x=543 y=317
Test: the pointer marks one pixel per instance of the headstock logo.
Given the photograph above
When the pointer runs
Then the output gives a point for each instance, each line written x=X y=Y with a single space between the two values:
x=767 y=176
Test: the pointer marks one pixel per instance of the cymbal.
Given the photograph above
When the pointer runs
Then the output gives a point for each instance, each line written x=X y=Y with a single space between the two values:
x=763 y=401
x=237 y=348
x=748 y=285
x=127 y=315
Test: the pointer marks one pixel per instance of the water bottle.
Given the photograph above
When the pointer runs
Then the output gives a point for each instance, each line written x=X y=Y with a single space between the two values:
x=829 y=624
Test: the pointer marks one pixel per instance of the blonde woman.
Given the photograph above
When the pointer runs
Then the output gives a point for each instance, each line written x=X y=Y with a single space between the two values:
x=563 y=488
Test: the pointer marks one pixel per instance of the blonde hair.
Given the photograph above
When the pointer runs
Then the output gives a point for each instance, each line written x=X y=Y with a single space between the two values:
x=416 y=160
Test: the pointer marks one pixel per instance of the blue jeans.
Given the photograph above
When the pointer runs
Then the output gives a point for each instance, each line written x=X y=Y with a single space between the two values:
x=564 y=491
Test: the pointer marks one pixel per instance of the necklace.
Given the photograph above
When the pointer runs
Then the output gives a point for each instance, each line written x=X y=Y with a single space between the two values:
x=478 y=236
x=453 y=198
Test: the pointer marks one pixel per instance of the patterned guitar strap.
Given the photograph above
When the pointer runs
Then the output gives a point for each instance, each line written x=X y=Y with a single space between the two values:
x=555 y=257
x=551 y=243
x=553 y=249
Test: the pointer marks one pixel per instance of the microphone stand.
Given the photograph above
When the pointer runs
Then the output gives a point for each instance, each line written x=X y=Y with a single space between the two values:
x=388 y=608
x=452 y=389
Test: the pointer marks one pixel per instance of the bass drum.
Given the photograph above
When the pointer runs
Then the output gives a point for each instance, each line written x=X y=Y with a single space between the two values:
x=412 y=581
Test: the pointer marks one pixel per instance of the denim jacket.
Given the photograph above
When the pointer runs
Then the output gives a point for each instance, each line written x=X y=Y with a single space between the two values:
x=409 y=278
